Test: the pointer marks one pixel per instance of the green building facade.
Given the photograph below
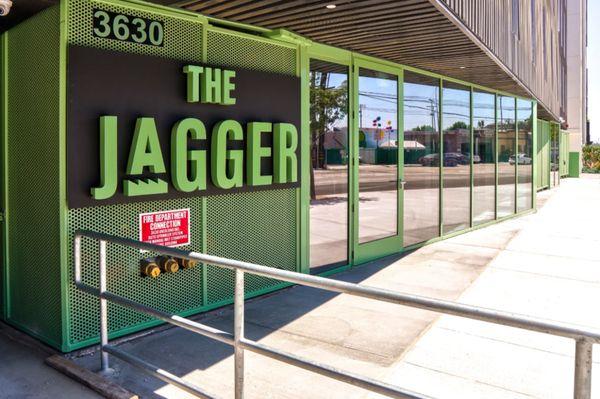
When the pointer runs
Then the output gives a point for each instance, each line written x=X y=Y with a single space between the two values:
x=477 y=155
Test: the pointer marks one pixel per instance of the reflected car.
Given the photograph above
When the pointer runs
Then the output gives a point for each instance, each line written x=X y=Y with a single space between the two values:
x=476 y=158
x=450 y=159
x=460 y=158
x=428 y=160
x=522 y=159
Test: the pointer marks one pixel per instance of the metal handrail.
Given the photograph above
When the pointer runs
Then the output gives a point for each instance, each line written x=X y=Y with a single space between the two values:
x=584 y=337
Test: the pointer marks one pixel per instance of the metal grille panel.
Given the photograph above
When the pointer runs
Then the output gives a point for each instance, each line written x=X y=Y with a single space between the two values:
x=258 y=227
x=255 y=227
x=235 y=51
x=33 y=176
x=176 y=293
x=183 y=38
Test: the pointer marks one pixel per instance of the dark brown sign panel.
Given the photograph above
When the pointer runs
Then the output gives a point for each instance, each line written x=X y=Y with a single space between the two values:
x=130 y=86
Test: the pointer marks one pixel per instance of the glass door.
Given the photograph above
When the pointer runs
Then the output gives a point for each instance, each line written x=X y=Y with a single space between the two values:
x=329 y=172
x=377 y=166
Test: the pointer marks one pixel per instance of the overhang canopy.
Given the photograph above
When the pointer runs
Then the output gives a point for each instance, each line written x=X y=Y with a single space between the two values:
x=21 y=10
x=416 y=33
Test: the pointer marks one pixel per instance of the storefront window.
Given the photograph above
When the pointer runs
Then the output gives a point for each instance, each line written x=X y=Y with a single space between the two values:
x=525 y=155
x=329 y=165
x=378 y=156
x=456 y=112
x=421 y=158
x=506 y=156
x=484 y=171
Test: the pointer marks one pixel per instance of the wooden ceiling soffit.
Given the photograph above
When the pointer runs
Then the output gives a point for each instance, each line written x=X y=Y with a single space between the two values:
x=410 y=32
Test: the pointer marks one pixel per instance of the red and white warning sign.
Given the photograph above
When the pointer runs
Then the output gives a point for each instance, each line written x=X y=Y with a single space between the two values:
x=168 y=228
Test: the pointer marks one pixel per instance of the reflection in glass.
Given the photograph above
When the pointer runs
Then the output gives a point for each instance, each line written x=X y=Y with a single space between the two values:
x=329 y=161
x=421 y=158
x=378 y=156
x=484 y=173
x=456 y=112
x=506 y=156
x=525 y=155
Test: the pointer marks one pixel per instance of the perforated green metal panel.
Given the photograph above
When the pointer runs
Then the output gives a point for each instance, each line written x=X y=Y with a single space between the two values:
x=33 y=176
x=175 y=293
x=183 y=37
x=242 y=52
x=257 y=227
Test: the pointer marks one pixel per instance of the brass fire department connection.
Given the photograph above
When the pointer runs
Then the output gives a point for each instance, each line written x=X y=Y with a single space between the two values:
x=148 y=267
x=187 y=263
x=167 y=264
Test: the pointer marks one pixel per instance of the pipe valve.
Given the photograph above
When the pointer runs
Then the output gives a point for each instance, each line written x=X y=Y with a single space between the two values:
x=187 y=263
x=148 y=267
x=167 y=264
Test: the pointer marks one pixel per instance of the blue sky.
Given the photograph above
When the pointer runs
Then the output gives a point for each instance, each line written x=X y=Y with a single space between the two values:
x=594 y=68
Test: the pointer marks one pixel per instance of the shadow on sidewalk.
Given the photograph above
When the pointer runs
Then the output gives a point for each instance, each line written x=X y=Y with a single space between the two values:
x=182 y=352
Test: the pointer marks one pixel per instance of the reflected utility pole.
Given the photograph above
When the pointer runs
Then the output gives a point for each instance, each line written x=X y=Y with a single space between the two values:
x=361 y=107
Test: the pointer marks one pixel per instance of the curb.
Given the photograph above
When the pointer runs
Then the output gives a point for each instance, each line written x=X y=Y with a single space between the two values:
x=88 y=378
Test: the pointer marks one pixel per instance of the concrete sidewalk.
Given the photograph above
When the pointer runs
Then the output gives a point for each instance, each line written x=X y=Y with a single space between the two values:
x=23 y=373
x=360 y=335
x=546 y=264
x=550 y=269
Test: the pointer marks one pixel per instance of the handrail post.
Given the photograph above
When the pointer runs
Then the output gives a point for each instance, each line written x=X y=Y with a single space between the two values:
x=104 y=364
x=238 y=333
x=583 y=369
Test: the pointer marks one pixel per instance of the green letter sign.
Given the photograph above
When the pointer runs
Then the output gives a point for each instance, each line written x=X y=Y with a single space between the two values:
x=171 y=155
x=180 y=156
x=193 y=82
x=226 y=165
x=209 y=85
x=108 y=159
x=285 y=142
x=145 y=153
x=256 y=152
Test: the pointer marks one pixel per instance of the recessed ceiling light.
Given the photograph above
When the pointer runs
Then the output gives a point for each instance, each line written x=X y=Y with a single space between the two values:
x=462 y=67
x=330 y=6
